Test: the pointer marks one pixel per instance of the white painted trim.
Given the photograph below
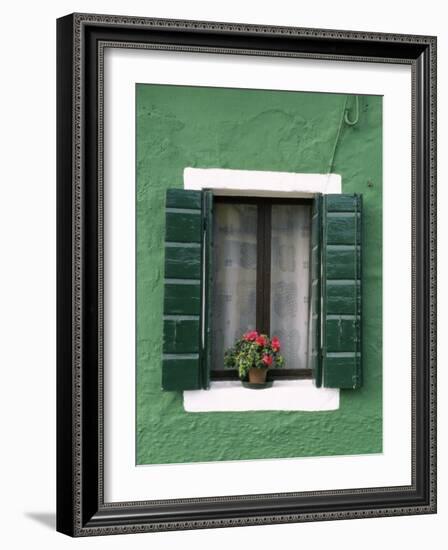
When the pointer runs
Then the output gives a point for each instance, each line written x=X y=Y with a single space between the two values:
x=284 y=395
x=261 y=183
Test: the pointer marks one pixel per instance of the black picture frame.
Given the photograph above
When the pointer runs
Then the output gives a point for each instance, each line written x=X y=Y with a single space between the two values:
x=81 y=510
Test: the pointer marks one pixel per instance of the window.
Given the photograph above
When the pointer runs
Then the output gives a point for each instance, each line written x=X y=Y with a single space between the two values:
x=207 y=304
x=260 y=278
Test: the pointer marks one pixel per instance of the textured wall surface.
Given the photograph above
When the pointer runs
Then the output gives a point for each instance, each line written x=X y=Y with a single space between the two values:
x=252 y=130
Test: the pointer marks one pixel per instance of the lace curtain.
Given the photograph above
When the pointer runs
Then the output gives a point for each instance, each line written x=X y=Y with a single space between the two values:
x=235 y=275
x=290 y=251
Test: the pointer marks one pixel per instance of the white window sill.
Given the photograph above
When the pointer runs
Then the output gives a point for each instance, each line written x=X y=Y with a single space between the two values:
x=284 y=395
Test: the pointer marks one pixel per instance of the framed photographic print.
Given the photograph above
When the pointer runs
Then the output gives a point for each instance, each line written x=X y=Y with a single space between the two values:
x=246 y=274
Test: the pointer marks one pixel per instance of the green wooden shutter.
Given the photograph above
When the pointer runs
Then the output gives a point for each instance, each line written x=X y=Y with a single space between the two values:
x=314 y=338
x=341 y=291
x=184 y=364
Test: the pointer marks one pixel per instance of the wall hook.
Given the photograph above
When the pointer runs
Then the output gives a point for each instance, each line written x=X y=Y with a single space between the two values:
x=355 y=120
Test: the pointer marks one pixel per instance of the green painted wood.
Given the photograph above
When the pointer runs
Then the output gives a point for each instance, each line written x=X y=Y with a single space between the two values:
x=182 y=299
x=342 y=262
x=314 y=334
x=342 y=228
x=343 y=297
x=341 y=291
x=181 y=335
x=182 y=326
x=207 y=209
x=341 y=203
x=180 y=198
x=180 y=373
x=342 y=371
x=183 y=262
x=183 y=227
x=341 y=333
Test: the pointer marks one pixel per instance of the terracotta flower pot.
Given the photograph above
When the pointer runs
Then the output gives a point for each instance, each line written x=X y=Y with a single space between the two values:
x=257 y=376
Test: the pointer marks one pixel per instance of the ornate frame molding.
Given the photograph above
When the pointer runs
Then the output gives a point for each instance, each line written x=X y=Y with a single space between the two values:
x=81 y=42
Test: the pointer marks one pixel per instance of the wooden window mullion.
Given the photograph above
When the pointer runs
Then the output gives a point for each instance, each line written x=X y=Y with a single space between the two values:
x=263 y=292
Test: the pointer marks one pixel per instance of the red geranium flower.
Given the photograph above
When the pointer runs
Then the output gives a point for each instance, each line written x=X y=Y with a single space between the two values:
x=275 y=343
x=267 y=360
x=250 y=336
x=261 y=340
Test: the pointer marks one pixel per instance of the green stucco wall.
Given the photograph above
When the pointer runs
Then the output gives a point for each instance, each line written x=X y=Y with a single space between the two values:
x=253 y=130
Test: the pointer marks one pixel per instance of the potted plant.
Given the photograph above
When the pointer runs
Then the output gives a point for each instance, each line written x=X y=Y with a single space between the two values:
x=253 y=354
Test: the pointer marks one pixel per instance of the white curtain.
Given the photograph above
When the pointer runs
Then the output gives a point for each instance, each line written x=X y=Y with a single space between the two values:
x=290 y=250
x=234 y=275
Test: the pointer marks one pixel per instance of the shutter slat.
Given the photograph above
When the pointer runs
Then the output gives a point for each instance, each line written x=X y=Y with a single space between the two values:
x=182 y=227
x=180 y=198
x=342 y=228
x=342 y=261
x=343 y=297
x=181 y=335
x=341 y=333
x=180 y=374
x=181 y=299
x=341 y=202
x=342 y=371
x=183 y=262
x=341 y=291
